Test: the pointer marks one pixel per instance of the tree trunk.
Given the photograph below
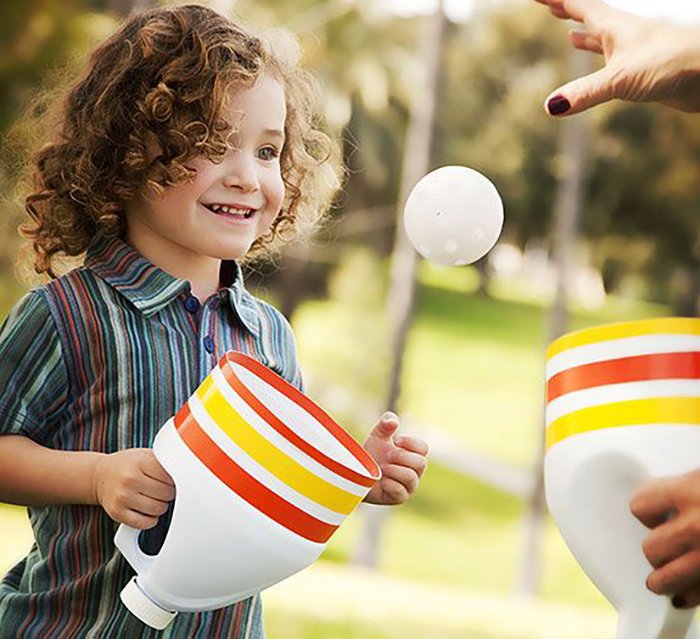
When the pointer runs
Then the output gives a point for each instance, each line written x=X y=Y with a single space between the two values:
x=568 y=206
x=400 y=298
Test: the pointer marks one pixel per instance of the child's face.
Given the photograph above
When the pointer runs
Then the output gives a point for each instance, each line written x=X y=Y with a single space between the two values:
x=230 y=204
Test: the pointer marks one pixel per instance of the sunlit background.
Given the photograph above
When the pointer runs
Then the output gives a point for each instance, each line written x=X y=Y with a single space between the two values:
x=473 y=554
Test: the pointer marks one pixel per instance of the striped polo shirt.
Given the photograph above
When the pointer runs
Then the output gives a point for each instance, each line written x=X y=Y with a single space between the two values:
x=99 y=360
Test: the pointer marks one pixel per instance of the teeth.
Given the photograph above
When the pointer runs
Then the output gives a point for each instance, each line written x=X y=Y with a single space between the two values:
x=222 y=208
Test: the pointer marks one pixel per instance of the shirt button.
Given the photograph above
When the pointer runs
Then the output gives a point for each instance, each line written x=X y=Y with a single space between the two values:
x=192 y=304
x=223 y=295
x=208 y=344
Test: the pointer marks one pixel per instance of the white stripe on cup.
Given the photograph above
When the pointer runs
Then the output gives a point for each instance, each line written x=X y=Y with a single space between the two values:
x=305 y=424
x=280 y=441
x=612 y=393
x=618 y=348
x=257 y=470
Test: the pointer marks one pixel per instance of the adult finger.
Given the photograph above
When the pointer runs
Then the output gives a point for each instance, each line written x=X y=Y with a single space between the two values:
x=653 y=503
x=688 y=599
x=668 y=542
x=680 y=575
x=414 y=461
x=564 y=10
x=414 y=444
x=582 y=94
x=586 y=11
x=582 y=39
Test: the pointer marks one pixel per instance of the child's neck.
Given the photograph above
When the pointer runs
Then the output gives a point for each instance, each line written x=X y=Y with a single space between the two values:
x=201 y=271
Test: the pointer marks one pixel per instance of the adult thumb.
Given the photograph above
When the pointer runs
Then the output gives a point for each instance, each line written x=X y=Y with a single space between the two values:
x=386 y=427
x=581 y=94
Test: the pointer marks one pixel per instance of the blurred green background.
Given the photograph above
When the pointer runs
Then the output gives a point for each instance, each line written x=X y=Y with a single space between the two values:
x=472 y=554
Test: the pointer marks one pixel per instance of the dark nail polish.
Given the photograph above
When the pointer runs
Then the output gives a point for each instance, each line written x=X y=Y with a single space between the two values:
x=558 y=105
x=679 y=602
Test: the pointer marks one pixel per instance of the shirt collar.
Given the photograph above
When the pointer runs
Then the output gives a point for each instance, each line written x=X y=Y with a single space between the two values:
x=150 y=289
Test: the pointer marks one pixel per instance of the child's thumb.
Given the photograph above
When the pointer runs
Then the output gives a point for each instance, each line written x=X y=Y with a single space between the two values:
x=581 y=94
x=386 y=427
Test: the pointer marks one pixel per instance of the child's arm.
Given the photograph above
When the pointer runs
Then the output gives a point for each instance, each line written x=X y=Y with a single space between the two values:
x=130 y=485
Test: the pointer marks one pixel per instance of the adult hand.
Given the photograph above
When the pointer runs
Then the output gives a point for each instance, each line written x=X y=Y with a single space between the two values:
x=133 y=487
x=671 y=508
x=402 y=458
x=645 y=60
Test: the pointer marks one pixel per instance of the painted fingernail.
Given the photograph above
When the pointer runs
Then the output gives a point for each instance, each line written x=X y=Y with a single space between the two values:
x=558 y=105
x=679 y=602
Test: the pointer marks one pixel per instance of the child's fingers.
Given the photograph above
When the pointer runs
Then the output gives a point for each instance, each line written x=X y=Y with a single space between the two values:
x=415 y=461
x=147 y=505
x=137 y=520
x=394 y=492
x=158 y=490
x=407 y=477
x=414 y=444
x=152 y=467
x=387 y=425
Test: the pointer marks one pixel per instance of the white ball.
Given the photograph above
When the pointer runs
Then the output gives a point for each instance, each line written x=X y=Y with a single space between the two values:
x=453 y=216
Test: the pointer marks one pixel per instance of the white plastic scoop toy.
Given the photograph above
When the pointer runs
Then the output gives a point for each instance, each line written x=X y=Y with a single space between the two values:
x=453 y=216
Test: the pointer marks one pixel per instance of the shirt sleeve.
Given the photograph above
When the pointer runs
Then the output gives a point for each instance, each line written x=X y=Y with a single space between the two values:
x=33 y=376
x=279 y=345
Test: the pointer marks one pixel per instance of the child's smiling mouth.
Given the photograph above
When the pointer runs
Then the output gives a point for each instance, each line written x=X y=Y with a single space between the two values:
x=231 y=210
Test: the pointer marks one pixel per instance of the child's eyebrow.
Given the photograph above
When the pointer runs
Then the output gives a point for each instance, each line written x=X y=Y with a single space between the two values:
x=276 y=133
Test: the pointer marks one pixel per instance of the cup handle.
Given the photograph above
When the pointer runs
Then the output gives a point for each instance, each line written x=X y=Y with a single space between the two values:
x=127 y=541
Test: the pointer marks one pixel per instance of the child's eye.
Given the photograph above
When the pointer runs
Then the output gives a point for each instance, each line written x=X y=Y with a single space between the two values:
x=268 y=153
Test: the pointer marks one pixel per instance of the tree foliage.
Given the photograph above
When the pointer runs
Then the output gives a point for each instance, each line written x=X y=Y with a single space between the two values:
x=640 y=221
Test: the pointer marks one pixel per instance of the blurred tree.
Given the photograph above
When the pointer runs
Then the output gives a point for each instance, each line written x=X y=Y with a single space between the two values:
x=644 y=158
x=644 y=193
x=400 y=300
x=42 y=43
x=568 y=208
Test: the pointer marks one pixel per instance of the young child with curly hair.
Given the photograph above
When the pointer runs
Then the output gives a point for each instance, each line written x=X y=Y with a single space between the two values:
x=189 y=145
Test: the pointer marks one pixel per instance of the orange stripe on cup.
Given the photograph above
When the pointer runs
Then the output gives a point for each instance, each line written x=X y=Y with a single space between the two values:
x=625 y=369
x=246 y=486
x=304 y=402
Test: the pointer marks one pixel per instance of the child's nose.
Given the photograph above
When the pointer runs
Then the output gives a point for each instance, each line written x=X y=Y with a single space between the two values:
x=241 y=173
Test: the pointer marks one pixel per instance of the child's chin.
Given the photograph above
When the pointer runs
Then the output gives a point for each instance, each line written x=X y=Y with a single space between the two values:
x=235 y=253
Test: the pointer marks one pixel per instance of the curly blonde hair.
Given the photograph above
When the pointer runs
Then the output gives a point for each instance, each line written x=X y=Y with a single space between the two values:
x=164 y=76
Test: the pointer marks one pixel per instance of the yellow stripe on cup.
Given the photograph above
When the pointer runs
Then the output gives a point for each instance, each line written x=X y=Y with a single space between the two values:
x=638 y=412
x=640 y=328
x=270 y=457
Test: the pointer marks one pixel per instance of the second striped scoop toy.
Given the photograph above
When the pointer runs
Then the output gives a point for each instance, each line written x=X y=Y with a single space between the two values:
x=263 y=477
x=623 y=407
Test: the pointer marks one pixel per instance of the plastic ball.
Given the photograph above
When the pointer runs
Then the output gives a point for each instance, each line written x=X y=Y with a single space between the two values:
x=453 y=216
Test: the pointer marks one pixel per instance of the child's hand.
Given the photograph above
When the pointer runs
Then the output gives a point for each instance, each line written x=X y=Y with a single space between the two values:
x=133 y=487
x=402 y=460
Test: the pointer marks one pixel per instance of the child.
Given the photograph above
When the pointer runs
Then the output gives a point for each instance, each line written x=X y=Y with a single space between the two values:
x=188 y=146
